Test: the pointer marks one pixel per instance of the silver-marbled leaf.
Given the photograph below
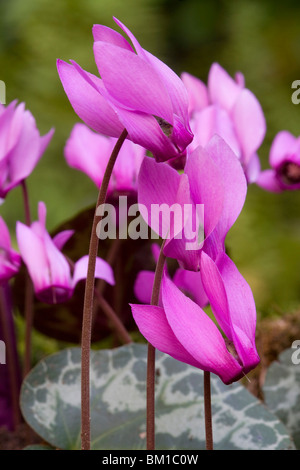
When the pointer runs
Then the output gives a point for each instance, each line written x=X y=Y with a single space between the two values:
x=50 y=402
x=282 y=391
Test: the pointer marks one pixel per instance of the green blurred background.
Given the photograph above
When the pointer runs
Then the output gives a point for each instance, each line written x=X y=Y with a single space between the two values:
x=259 y=38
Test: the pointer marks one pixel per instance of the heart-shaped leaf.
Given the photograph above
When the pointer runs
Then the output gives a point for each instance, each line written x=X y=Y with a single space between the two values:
x=281 y=391
x=50 y=402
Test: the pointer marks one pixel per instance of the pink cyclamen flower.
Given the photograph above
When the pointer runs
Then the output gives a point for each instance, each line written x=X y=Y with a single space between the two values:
x=10 y=260
x=21 y=145
x=89 y=152
x=183 y=330
x=136 y=91
x=49 y=269
x=213 y=180
x=225 y=107
x=188 y=282
x=285 y=162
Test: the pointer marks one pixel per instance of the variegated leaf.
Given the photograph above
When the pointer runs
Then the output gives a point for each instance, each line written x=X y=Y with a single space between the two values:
x=282 y=391
x=50 y=401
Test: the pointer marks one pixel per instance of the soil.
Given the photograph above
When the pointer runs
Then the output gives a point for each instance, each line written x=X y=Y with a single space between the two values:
x=273 y=337
x=20 y=438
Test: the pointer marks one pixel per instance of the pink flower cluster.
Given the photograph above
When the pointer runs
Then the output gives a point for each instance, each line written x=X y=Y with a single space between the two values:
x=215 y=132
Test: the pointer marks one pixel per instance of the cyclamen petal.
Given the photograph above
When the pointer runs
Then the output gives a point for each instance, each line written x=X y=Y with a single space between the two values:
x=36 y=260
x=197 y=91
x=89 y=152
x=102 y=270
x=153 y=325
x=223 y=89
x=231 y=111
x=21 y=146
x=198 y=334
x=87 y=102
x=284 y=159
x=10 y=260
x=136 y=91
x=119 y=68
x=49 y=269
x=108 y=35
x=232 y=302
x=283 y=144
x=249 y=122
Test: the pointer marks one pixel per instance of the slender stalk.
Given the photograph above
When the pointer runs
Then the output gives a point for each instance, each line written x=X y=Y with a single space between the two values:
x=26 y=203
x=151 y=356
x=88 y=303
x=207 y=412
x=11 y=354
x=114 y=319
x=28 y=310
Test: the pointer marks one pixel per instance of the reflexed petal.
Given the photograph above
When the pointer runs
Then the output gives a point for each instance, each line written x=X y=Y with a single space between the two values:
x=35 y=259
x=88 y=152
x=154 y=194
x=242 y=311
x=44 y=141
x=174 y=86
x=102 y=270
x=214 y=120
x=28 y=145
x=250 y=124
x=139 y=50
x=207 y=187
x=106 y=34
x=190 y=283
x=198 y=333
x=268 y=180
x=87 y=102
x=143 y=286
x=62 y=238
x=132 y=81
x=59 y=268
x=5 y=242
x=197 y=92
x=127 y=166
x=252 y=170
x=232 y=302
x=153 y=325
x=144 y=130
x=214 y=287
x=234 y=184
x=284 y=144
x=11 y=121
x=223 y=89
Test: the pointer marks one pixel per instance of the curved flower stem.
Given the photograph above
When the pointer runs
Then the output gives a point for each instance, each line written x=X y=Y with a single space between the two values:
x=207 y=412
x=28 y=311
x=151 y=356
x=88 y=303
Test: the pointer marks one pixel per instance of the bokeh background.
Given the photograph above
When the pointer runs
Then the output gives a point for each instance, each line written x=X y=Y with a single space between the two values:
x=259 y=38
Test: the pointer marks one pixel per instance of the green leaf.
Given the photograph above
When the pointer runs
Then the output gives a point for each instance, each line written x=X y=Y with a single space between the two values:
x=50 y=402
x=281 y=391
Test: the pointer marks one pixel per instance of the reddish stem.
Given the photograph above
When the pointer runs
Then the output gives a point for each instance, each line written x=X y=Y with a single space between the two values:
x=89 y=300
x=207 y=412
x=11 y=353
x=151 y=355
